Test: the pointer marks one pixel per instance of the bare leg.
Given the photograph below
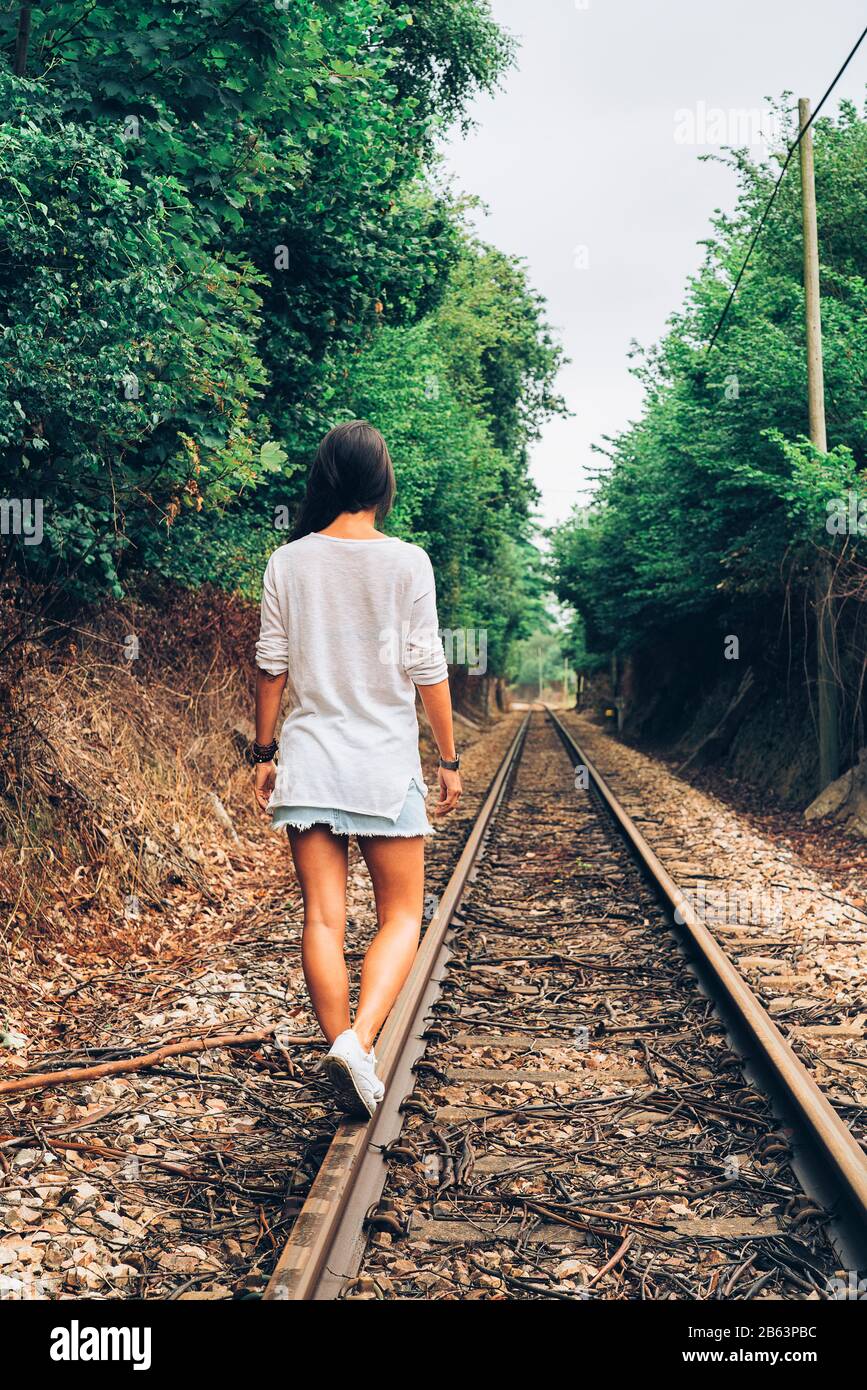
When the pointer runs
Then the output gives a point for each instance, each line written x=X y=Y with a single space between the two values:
x=396 y=867
x=320 y=863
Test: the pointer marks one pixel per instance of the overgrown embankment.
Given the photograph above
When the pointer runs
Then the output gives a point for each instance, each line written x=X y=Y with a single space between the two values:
x=122 y=771
x=124 y=767
x=222 y=234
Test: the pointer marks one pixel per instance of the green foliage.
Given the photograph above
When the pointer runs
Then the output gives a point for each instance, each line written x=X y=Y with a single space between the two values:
x=463 y=490
x=301 y=133
x=443 y=52
x=218 y=236
x=458 y=395
x=127 y=365
x=499 y=348
x=715 y=496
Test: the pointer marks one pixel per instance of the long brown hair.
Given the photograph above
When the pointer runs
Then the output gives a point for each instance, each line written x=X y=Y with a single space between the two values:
x=352 y=472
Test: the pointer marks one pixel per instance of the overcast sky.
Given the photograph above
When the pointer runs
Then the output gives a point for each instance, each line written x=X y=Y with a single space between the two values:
x=589 y=157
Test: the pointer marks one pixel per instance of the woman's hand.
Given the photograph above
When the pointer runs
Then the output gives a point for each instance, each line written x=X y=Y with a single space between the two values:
x=450 y=791
x=264 y=776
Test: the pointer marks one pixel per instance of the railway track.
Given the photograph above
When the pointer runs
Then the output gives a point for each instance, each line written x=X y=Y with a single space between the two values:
x=584 y=1099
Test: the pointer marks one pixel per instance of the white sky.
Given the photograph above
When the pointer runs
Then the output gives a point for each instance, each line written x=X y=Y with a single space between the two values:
x=579 y=149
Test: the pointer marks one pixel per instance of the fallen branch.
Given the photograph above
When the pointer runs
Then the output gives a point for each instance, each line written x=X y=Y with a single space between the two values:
x=149 y=1059
x=615 y=1260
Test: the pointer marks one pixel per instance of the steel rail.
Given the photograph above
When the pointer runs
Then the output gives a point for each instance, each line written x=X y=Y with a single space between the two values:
x=827 y=1159
x=326 y=1244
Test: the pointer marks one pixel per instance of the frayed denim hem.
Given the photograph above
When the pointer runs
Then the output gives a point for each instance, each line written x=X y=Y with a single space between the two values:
x=411 y=824
x=288 y=825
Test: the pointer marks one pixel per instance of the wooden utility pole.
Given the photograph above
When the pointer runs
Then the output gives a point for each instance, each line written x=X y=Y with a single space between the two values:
x=22 y=40
x=826 y=675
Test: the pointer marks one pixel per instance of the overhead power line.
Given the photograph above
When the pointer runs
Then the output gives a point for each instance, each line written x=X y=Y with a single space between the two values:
x=792 y=149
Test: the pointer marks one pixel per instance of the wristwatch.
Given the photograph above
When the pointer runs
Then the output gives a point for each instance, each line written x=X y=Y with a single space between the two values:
x=452 y=767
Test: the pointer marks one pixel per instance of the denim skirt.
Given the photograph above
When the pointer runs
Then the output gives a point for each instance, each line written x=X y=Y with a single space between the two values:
x=411 y=821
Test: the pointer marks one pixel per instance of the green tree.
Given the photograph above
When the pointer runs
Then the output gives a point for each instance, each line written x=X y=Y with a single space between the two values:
x=253 y=206
x=128 y=373
x=715 y=498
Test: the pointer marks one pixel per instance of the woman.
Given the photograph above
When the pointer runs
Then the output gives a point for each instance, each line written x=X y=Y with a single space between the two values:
x=349 y=621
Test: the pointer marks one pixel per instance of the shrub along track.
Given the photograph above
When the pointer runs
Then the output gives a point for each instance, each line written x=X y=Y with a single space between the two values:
x=580 y=1126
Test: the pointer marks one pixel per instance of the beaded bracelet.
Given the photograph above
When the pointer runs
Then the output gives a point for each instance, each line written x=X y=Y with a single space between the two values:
x=263 y=752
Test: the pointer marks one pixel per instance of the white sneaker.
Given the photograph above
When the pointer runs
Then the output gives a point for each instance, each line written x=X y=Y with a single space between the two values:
x=351 y=1071
x=379 y=1086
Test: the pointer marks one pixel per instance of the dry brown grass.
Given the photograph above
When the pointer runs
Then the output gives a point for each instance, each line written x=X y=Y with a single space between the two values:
x=111 y=764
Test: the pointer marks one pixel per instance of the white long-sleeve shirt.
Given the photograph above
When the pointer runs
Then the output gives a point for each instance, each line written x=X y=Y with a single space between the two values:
x=354 y=623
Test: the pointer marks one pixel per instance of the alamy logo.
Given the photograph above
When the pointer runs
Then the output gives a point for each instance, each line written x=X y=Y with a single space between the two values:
x=22 y=516
x=847 y=516
x=461 y=646
x=740 y=907
x=713 y=125
x=77 y=1343
x=852 y=1287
